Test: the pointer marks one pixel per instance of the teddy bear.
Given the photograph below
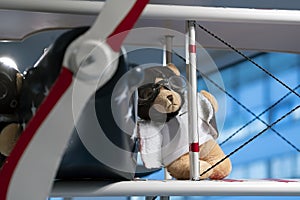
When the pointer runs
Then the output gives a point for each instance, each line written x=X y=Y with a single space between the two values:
x=10 y=129
x=162 y=126
x=22 y=93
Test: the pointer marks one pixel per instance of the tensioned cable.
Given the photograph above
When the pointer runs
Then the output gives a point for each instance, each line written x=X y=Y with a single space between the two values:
x=248 y=123
x=246 y=57
x=247 y=109
x=248 y=141
x=264 y=70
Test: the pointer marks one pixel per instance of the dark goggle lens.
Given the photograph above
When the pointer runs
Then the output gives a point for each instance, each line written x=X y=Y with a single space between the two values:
x=3 y=90
x=147 y=92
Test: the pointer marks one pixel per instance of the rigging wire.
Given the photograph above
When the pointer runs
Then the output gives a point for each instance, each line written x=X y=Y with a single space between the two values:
x=249 y=122
x=264 y=70
x=248 y=110
x=247 y=58
x=256 y=117
x=248 y=141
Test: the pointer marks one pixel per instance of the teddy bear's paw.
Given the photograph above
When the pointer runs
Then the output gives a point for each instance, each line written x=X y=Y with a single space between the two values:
x=222 y=170
x=204 y=166
x=8 y=138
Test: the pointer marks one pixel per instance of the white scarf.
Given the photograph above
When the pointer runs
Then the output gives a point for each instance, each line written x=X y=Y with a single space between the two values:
x=161 y=144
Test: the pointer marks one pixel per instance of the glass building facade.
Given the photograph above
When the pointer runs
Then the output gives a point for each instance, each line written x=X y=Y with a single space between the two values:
x=275 y=153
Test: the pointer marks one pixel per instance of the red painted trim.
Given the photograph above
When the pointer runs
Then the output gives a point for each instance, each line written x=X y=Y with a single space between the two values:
x=192 y=48
x=60 y=86
x=232 y=180
x=280 y=180
x=126 y=24
x=194 y=147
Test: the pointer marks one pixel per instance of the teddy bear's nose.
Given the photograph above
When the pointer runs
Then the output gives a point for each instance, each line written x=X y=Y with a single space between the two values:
x=170 y=97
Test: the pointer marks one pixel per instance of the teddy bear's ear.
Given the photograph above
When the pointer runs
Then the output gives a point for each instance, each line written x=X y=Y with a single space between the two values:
x=211 y=99
x=173 y=68
x=19 y=81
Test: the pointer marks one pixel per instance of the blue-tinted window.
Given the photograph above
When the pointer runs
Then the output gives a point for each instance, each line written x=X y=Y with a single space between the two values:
x=257 y=91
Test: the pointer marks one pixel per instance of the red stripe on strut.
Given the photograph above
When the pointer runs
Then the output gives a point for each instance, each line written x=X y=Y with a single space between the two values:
x=192 y=48
x=60 y=86
x=194 y=147
x=126 y=25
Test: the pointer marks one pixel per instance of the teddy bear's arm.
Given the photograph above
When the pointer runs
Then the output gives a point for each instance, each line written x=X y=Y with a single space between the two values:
x=211 y=99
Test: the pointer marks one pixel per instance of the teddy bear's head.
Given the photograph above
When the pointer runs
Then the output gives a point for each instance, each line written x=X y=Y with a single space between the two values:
x=161 y=93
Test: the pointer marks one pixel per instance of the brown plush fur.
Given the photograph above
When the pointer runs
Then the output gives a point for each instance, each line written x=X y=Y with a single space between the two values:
x=210 y=152
x=8 y=138
x=167 y=101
